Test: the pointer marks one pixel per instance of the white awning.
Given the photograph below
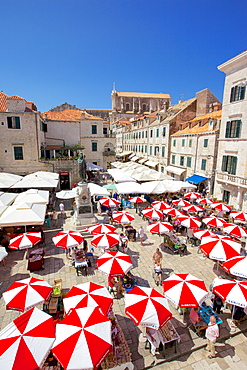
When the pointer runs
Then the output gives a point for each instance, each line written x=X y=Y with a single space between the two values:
x=123 y=154
x=176 y=170
x=142 y=160
x=133 y=159
x=151 y=163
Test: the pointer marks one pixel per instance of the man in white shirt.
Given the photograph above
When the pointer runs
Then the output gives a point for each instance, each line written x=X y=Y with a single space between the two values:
x=141 y=234
x=212 y=333
x=61 y=207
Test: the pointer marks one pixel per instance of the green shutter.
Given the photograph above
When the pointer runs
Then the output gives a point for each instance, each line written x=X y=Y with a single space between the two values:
x=17 y=122
x=228 y=128
x=232 y=94
x=224 y=163
x=233 y=167
x=238 y=128
x=9 y=120
x=242 y=92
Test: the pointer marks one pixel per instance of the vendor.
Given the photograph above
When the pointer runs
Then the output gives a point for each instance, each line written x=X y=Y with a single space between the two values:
x=155 y=339
x=196 y=320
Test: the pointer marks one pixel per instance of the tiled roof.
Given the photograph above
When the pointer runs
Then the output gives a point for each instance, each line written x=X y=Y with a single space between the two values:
x=3 y=101
x=15 y=97
x=68 y=115
x=143 y=95
x=124 y=122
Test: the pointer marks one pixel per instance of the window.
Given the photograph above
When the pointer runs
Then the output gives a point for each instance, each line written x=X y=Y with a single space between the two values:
x=183 y=142
x=233 y=128
x=205 y=144
x=157 y=132
x=151 y=133
x=203 y=165
x=174 y=142
x=229 y=164
x=18 y=153
x=164 y=131
x=162 y=169
x=163 y=149
x=94 y=147
x=156 y=150
x=127 y=107
x=150 y=150
x=173 y=159
x=43 y=126
x=142 y=148
x=190 y=143
x=237 y=93
x=146 y=148
x=226 y=196
x=181 y=160
x=188 y=161
x=104 y=130
x=144 y=107
x=146 y=133
x=139 y=134
x=14 y=122
x=94 y=129
x=142 y=134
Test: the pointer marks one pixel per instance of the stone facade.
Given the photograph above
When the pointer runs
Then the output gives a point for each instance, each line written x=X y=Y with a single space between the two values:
x=231 y=171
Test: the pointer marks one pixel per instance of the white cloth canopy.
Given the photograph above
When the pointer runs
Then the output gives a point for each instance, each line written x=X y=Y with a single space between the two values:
x=36 y=181
x=45 y=175
x=93 y=167
x=7 y=198
x=119 y=176
x=33 y=196
x=153 y=187
x=66 y=194
x=8 y=179
x=129 y=188
x=97 y=190
x=23 y=214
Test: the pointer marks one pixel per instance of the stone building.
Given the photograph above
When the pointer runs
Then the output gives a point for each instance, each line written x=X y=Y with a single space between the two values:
x=102 y=113
x=231 y=171
x=129 y=104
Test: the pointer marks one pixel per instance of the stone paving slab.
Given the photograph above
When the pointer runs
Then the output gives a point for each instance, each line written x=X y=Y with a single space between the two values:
x=56 y=266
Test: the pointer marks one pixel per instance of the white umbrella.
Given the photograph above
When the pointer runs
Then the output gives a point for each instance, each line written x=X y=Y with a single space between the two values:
x=66 y=194
x=7 y=198
x=3 y=253
x=8 y=179
x=23 y=214
x=45 y=175
x=95 y=189
x=153 y=187
x=129 y=188
x=33 y=196
x=32 y=181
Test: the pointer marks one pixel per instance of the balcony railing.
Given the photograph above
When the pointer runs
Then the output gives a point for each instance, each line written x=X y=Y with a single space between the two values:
x=109 y=153
x=113 y=136
x=226 y=177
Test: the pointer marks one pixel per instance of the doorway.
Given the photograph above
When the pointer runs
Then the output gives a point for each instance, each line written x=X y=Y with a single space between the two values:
x=64 y=180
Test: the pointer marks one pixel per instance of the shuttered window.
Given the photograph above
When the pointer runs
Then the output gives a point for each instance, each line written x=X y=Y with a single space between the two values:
x=14 y=122
x=237 y=93
x=229 y=164
x=233 y=129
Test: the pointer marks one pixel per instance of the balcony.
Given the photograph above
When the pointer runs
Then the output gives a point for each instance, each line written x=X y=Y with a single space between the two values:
x=112 y=136
x=109 y=153
x=231 y=179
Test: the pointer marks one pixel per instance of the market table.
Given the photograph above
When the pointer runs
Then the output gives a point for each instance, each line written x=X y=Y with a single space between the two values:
x=206 y=311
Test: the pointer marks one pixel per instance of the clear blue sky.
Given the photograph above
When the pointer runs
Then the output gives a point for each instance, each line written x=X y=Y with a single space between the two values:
x=54 y=51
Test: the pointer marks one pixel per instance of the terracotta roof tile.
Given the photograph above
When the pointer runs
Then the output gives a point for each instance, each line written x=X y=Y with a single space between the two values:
x=3 y=101
x=15 y=97
x=68 y=115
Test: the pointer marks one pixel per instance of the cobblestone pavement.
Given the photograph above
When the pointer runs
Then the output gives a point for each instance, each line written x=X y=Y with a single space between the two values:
x=191 y=353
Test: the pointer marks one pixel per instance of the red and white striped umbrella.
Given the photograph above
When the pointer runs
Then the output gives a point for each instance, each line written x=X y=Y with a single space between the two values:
x=114 y=263
x=221 y=207
x=105 y=241
x=123 y=217
x=67 y=239
x=232 y=291
x=214 y=221
x=159 y=227
x=137 y=200
x=236 y=266
x=88 y=295
x=193 y=209
x=147 y=307
x=25 y=342
x=192 y=195
x=181 y=203
x=160 y=205
x=109 y=202
x=152 y=213
x=26 y=240
x=83 y=339
x=205 y=201
x=189 y=222
x=101 y=229
x=202 y=233
x=220 y=249
x=235 y=230
x=26 y=293
x=185 y=290
x=173 y=212
x=241 y=216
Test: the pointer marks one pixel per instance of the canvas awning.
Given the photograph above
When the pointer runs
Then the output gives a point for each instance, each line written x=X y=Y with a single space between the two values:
x=151 y=163
x=124 y=154
x=142 y=160
x=175 y=170
x=196 y=179
x=133 y=159
x=23 y=215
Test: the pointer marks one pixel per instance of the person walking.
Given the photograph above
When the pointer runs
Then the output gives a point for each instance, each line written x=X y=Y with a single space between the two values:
x=141 y=234
x=157 y=256
x=54 y=218
x=212 y=333
x=61 y=207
